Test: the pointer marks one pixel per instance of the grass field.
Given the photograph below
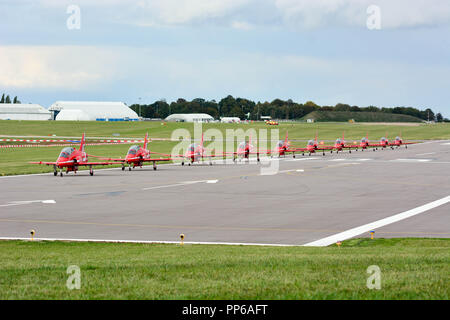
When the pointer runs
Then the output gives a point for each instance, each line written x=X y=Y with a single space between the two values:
x=303 y=131
x=410 y=269
x=15 y=160
x=360 y=116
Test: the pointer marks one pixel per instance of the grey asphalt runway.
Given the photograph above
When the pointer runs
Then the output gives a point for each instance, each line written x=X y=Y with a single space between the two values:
x=308 y=199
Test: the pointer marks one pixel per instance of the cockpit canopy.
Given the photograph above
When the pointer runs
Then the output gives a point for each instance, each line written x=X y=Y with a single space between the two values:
x=310 y=142
x=66 y=152
x=133 y=149
x=280 y=144
x=338 y=141
x=363 y=140
x=243 y=145
x=192 y=147
x=398 y=138
x=383 y=139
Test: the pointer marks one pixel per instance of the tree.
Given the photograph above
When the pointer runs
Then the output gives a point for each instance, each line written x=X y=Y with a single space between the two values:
x=8 y=99
x=3 y=99
x=439 y=117
x=16 y=100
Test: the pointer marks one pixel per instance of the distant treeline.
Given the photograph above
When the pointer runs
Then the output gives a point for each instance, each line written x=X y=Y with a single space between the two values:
x=277 y=109
x=7 y=99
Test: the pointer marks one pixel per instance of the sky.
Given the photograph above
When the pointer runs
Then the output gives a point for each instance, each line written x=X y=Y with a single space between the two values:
x=360 y=52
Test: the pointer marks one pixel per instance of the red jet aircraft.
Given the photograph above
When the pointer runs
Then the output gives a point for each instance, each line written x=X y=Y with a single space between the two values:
x=195 y=152
x=71 y=159
x=398 y=142
x=137 y=155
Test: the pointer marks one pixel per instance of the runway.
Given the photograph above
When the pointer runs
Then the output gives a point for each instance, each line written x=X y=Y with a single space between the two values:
x=302 y=201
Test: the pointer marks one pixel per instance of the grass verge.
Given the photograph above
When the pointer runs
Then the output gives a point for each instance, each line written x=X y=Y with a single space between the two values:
x=410 y=269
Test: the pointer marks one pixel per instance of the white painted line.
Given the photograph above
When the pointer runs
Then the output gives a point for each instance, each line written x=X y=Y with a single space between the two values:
x=445 y=144
x=412 y=160
x=166 y=186
x=184 y=183
x=304 y=159
x=338 y=160
x=18 y=203
x=363 y=159
x=155 y=242
x=377 y=224
x=424 y=154
x=300 y=170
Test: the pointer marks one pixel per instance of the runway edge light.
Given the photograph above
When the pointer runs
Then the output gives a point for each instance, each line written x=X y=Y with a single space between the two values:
x=182 y=239
x=339 y=244
x=32 y=232
x=372 y=232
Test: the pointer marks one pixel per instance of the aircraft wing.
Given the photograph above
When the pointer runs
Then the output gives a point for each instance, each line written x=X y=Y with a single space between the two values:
x=43 y=162
x=94 y=163
x=71 y=162
x=150 y=159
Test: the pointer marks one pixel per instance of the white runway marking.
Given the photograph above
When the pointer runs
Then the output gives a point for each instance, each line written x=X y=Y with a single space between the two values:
x=424 y=154
x=304 y=159
x=154 y=242
x=184 y=183
x=18 y=203
x=377 y=224
x=412 y=160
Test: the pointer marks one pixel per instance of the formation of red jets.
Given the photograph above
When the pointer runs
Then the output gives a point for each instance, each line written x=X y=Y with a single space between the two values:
x=70 y=159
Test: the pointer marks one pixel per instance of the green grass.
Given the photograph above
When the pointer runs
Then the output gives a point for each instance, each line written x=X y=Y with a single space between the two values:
x=411 y=269
x=360 y=116
x=297 y=130
x=15 y=160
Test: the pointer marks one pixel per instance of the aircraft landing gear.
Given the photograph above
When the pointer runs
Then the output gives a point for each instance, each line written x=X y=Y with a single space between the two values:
x=182 y=163
x=123 y=167
x=91 y=171
x=154 y=165
x=55 y=172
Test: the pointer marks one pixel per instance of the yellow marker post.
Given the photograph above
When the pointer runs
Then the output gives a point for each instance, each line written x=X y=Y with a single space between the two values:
x=339 y=244
x=372 y=232
x=32 y=232
x=182 y=239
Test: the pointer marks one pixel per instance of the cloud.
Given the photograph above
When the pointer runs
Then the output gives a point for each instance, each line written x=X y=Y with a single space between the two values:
x=394 y=14
x=68 y=67
x=287 y=13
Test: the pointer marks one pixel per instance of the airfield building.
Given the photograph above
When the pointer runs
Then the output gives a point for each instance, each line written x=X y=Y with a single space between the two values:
x=17 y=111
x=190 y=117
x=92 y=111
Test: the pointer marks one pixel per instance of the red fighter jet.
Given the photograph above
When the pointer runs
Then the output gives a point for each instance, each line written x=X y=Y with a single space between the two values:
x=312 y=147
x=196 y=152
x=284 y=147
x=137 y=155
x=244 y=150
x=340 y=145
x=71 y=159
x=398 y=142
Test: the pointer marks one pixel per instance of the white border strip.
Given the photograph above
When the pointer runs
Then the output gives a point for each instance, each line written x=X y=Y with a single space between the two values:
x=377 y=224
x=154 y=242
